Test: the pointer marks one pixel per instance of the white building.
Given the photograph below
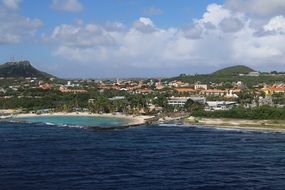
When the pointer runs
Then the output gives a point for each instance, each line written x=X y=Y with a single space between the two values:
x=200 y=86
x=231 y=94
x=219 y=105
x=180 y=101
x=254 y=74
x=69 y=84
x=117 y=98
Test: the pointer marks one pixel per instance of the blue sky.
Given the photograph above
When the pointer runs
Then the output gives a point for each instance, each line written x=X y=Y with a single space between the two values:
x=144 y=38
x=125 y=11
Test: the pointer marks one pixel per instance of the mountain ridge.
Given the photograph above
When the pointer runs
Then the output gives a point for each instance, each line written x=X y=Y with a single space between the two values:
x=18 y=69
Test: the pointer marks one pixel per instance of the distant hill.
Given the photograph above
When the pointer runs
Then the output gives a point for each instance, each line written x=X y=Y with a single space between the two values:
x=229 y=74
x=21 y=69
x=233 y=71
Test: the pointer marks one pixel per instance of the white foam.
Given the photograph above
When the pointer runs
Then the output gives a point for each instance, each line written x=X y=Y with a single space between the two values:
x=47 y=123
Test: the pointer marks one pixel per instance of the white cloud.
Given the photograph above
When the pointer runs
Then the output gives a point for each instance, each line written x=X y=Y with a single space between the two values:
x=231 y=24
x=215 y=14
x=144 y=25
x=82 y=35
x=258 y=7
x=220 y=37
x=215 y=20
x=14 y=27
x=193 y=32
x=11 y=4
x=276 y=24
x=67 y=5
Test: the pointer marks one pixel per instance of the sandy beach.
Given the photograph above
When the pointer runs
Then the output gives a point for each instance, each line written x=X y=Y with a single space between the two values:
x=256 y=125
x=133 y=120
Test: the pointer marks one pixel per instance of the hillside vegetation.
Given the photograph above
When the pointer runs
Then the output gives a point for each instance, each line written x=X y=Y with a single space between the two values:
x=230 y=74
x=233 y=71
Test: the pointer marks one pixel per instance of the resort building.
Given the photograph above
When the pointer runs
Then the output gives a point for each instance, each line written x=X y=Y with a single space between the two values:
x=176 y=84
x=231 y=94
x=177 y=101
x=213 y=92
x=200 y=87
x=180 y=101
x=219 y=105
x=144 y=91
x=63 y=89
x=275 y=89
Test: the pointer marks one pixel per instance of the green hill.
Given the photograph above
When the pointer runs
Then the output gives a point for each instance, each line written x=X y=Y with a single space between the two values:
x=21 y=69
x=233 y=71
x=229 y=74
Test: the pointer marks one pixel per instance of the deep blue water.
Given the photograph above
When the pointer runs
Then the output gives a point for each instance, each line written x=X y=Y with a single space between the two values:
x=38 y=156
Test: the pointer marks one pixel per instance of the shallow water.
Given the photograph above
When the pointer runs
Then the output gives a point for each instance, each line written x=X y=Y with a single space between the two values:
x=76 y=120
x=39 y=156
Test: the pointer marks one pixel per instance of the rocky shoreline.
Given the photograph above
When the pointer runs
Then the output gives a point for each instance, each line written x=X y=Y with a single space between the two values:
x=257 y=125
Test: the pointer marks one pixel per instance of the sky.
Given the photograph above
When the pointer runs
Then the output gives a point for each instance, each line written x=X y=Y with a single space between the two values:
x=142 y=38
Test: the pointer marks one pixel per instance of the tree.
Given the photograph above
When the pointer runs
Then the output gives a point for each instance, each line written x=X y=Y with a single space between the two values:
x=192 y=106
x=246 y=97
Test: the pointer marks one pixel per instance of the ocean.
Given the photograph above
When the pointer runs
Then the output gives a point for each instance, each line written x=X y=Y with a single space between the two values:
x=47 y=156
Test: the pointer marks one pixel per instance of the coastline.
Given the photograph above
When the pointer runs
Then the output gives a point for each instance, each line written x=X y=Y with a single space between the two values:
x=226 y=123
x=132 y=119
x=253 y=125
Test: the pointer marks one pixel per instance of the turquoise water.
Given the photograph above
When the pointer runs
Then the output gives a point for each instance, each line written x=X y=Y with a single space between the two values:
x=76 y=120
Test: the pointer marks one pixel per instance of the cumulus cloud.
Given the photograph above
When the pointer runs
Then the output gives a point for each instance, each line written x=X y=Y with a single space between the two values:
x=220 y=37
x=134 y=46
x=258 y=7
x=67 y=5
x=14 y=27
x=217 y=19
x=144 y=25
x=231 y=24
x=193 y=32
x=276 y=24
x=215 y=14
x=11 y=4
x=82 y=36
